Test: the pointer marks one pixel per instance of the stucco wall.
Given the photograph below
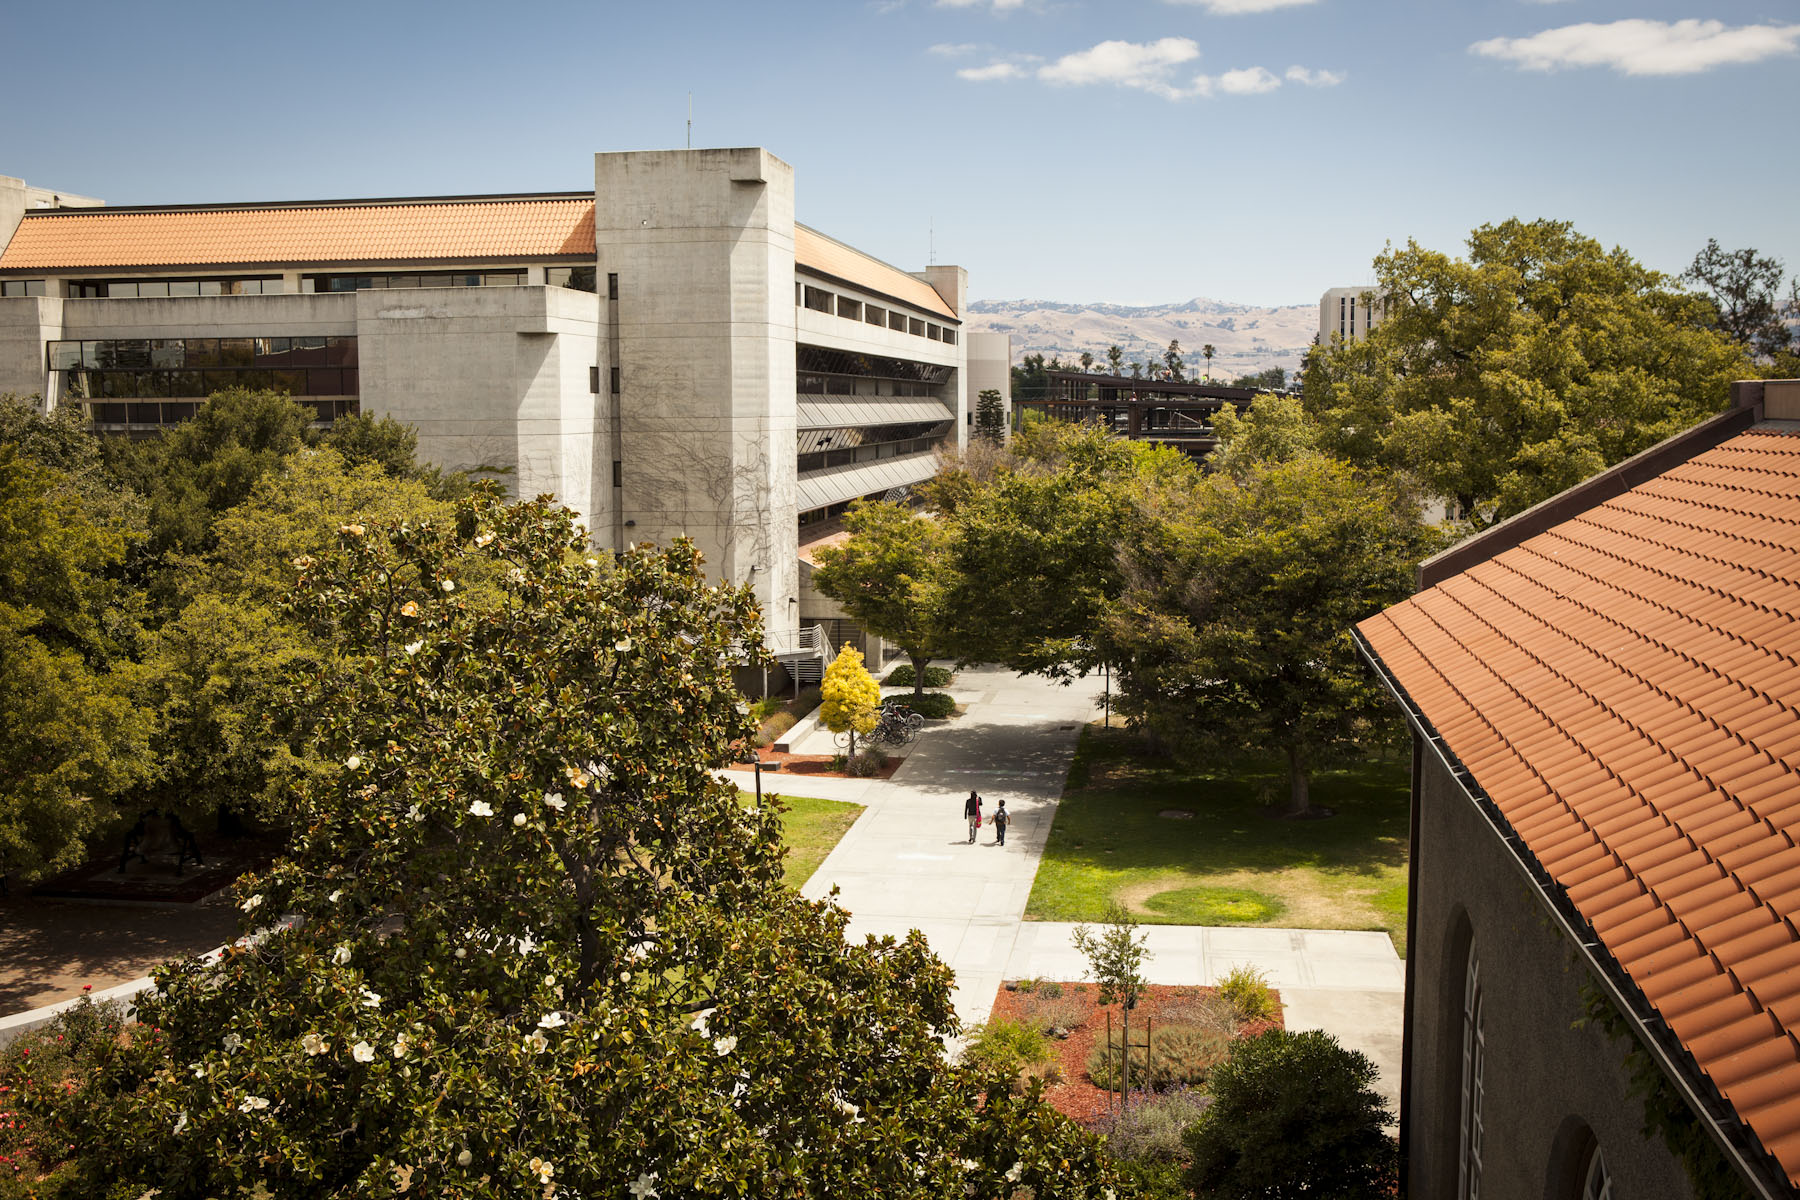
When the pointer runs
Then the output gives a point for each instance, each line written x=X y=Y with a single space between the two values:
x=1543 y=1078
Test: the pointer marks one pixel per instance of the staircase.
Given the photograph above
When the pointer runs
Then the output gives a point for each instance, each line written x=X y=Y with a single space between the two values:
x=803 y=652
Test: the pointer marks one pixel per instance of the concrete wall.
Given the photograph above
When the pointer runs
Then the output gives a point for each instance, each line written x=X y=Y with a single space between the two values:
x=26 y=323
x=703 y=244
x=990 y=366
x=1545 y=1081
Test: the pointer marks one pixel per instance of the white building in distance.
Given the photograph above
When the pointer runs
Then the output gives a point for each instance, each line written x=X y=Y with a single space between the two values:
x=671 y=353
x=1347 y=313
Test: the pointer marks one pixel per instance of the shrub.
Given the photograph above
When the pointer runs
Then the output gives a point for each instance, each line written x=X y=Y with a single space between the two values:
x=840 y=763
x=1180 y=1056
x=772 y=727
x=768 y=706
x=1293 y=1114
x=1011 y=1049
x=902 y=676
x=38 y=1075
x=1050 y=1011
x=808 y=699
x=867 y=764
x=936 y=705
x=1203 y=1008
x=1248 y=990
x=1154 y=1131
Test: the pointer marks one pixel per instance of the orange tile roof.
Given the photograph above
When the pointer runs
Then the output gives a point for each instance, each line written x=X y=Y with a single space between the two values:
x=433 y=231
x=1625 y=687
x=814 y=251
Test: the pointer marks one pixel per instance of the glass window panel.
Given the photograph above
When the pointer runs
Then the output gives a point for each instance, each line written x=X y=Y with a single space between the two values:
x=202 y=352
x=65 y=356
x=403 y=281
x=349 y=383
x=153 y=288
x=291 y=382
x=125 y=352
x=255 y=379
x=167 y=352
x=187 y=383
x=235 y=352
x=308 y=285
x=216 y=287
x=117 y=383
x=340 y=351
x=116 y=290
x=436 y=279
x=897 y=321
x=109 y=414
x=184 y=287
x=324 y=381
x=153 y=383
x=144 y=414
x=176 y=411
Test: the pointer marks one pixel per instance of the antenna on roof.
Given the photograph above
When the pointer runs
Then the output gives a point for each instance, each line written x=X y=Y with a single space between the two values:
x=690 y=120
x=931 y=241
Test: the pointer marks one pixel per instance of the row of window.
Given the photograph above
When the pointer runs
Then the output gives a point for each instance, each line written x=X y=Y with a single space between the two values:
x=411 y=279
x=812 y=440
x=581 y=279
x=313 y=381
x=338 y=350
x=21 y=287
x=162 y=289
x=152 y=414
x=864 y=454
x=820 y=300
x=817 y=360
x=831 y=512
x=850 y=385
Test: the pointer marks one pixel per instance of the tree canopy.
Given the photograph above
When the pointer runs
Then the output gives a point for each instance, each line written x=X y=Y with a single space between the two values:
x=532 y=945
x=887 y=577
x=1506 y=377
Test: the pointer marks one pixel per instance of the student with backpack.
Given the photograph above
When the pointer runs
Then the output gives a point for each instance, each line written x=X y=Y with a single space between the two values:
x=972 y=810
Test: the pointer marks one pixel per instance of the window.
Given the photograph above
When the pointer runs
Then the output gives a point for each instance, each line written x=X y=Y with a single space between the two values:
x=411 y=279
x=818 y=299
x=615 y=381
x=579 y=279
x=132 y=289
x=1474 y=1057
x=21 y=287
x=873 y=315
x=915 y=327
x=594 y=380
x=612 y=286
x=187 y=370
x=935 y=332
x=1596 y=1180
x=849 y=309
x=897 y=320
x=949 y=336
x=618 y=472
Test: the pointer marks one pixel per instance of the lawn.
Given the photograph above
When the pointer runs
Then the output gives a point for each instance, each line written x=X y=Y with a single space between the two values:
x=1229 y=862
x=809 y=829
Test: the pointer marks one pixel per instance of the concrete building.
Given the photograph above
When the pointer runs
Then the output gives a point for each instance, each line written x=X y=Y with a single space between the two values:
x=669 y=353
x=1347 y=313
x=1605 y=698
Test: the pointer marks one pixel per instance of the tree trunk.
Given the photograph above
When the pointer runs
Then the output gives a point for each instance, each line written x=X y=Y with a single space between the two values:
x=1299 y=784
x=1125 y=1061
x=919 y=662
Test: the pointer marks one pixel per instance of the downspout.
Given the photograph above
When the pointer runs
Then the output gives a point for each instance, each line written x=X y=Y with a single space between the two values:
x=1736 y=1140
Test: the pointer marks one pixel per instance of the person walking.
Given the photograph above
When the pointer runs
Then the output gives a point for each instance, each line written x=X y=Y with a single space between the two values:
x=972 y=810
x=1001 y=820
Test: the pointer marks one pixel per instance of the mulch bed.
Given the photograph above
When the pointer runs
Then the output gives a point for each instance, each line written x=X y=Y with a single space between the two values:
x=156 y=881
x=812 y=765
x=1075 y=1096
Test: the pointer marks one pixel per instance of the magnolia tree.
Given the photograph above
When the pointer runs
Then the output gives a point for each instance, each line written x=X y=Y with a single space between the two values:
x=528 y=944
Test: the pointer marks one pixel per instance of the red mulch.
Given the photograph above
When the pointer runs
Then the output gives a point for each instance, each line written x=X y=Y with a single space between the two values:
x=1075 y=1096
x=811 y=765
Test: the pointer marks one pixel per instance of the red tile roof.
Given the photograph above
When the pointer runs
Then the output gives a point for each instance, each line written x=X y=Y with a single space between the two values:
x=1625 y=687
x=814 y=251
x=353 y=232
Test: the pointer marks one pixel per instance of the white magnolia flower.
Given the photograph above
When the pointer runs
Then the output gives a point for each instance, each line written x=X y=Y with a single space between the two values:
x=199 y=1069
x=363 y=1052
x=353 y=762
x=624 y=976
x=181 y=1121
x=415 y=647
x=644 y=1188
x=537 y=1041
x=482 y=539
x=1108 y=1194
x=341 y=955
x=449 y=585
x=481 y=808
x=400 y=1045
x=845 y=1107
x=416 y=813
x=698 y=1024
x=461 y=952
x=543 y=1170
x=555 y=800
x=252 y=1104
x=549 y=981
x=593 y=562
x=968 y=1164
x=518 y=820
x=371 y=999
x=515 y=577
x=313 y=1044
x=233 y=1043
x=551 y=1020
x=252 y=902
x=334 y=896
x=464 y=1159
x=526 y=945
x=410 y=609
x=725 y=1045
x=622 y=645
x=1013 y=1172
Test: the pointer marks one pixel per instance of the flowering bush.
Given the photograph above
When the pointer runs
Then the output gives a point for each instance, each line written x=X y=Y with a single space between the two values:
x=851 y=700
x=526 y=944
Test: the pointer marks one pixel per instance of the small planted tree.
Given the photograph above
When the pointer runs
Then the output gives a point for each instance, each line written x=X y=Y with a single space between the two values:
x=990 y=415
x=1293 y=1115
x=850 y=699
x=1115 y=959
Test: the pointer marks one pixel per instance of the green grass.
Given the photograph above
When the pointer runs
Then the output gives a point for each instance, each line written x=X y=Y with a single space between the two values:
x=809 y=829
x=1231 y=863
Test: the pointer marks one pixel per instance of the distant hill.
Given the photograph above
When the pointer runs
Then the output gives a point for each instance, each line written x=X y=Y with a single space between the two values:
x=1247 y=338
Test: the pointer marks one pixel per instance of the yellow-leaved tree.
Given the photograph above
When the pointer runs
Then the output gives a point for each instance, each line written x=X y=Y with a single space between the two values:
x=851 y=698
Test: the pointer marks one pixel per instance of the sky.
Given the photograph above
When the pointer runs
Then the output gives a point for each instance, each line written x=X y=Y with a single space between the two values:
x=1120 y=151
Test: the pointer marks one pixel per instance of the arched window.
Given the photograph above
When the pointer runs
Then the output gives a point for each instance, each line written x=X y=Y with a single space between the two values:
x=1596 y=1180
x=1474 y=1054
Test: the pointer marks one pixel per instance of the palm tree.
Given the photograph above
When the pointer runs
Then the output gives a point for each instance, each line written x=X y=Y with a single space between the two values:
x=1207 y=352
x=1114 y=355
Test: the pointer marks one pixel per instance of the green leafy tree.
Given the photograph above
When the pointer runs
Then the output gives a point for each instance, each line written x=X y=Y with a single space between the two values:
x=1172 y=360
x=1746 y=292
x=1207 y=352
x=389 y=444
x=1293 y=1115
x=1114 y=356
x=1232 y=629
x=990 y=415
x=1029 y=378
x=1505 y=378
x=1273 y=379
x=887 y=577
x=1275 y=429
x=850 y=699
x=1137 y=370
x=1087 y=360
x=541 y=950
x=1116 y=960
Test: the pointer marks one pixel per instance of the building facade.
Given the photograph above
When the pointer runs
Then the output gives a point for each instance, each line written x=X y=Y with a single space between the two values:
x=1348 y=313
x=671 y=353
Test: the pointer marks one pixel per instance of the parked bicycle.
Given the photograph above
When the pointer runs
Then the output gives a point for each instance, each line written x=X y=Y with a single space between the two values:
x=896 y=726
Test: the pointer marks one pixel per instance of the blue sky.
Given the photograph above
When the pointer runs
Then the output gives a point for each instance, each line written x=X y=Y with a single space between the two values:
x=1132 y=151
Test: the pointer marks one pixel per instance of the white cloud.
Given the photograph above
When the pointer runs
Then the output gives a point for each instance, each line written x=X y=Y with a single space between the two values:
x=1642 y=47
x=953 y=49
x=1235 y=7
x=999 y=70
x=998 y=5
x=1316 y=79
x=1145 y=65
x=1251 y=81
